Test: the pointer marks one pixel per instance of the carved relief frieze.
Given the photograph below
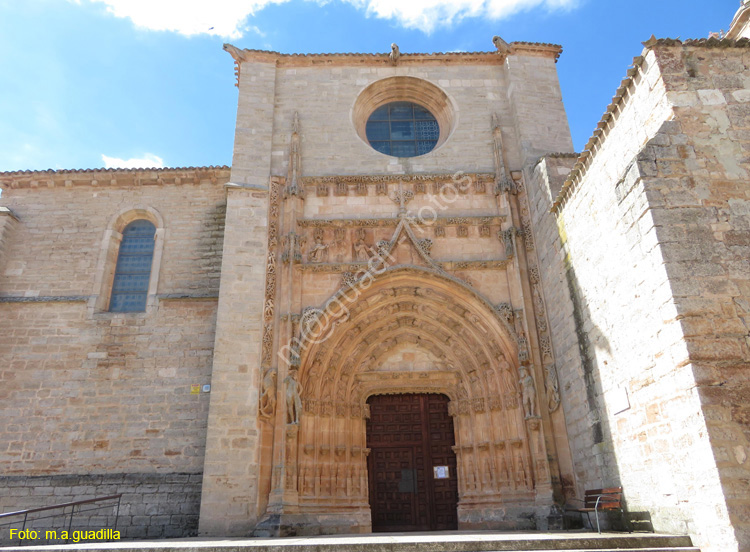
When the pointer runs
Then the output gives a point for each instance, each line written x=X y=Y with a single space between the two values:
x=341 y=189
x=402 y=197
x=552 y=387
x=267 y=401
x=291 y=245
x=318 y=252
x=526 y=232
x=425 y=245
x=505 y=310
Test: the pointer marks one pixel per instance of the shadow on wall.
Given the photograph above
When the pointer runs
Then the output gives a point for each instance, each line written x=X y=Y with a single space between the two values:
x=599 y=434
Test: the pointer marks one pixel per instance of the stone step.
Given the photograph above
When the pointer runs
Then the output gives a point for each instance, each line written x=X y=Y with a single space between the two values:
x=472 y=541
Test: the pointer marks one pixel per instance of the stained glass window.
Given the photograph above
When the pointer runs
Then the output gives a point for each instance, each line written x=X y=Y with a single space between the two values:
x=402 y=129
x=130 y=286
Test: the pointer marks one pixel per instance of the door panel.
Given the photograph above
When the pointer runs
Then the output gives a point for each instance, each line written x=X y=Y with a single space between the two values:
x=408 y=435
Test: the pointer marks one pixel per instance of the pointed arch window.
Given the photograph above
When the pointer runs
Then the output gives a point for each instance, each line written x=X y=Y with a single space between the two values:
x=133 y=271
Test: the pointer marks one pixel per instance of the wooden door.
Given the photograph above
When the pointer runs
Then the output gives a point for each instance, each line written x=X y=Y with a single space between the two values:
x=410 y=435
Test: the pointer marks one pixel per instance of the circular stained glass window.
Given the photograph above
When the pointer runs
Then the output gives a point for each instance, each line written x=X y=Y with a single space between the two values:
x=402 y=129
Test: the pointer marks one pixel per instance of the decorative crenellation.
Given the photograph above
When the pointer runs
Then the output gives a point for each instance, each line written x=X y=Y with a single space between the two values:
x=479 y=220
x=395 y=179
x=420 y=184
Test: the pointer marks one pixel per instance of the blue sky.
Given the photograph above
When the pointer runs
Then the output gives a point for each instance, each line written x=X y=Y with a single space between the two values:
x=94 y=83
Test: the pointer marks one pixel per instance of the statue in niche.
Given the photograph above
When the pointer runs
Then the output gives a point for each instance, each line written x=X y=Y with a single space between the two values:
x=293 y=401
x=318 y=252
x=528 y=393
x=268 y=396
x=361 y=251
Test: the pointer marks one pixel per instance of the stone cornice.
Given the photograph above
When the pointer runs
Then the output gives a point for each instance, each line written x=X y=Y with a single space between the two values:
x=359 y=59
x=113 y=177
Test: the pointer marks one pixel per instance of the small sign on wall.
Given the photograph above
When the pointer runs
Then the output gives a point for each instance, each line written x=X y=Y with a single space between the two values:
x=441 y=472
x=195 y=389
x=619 y=400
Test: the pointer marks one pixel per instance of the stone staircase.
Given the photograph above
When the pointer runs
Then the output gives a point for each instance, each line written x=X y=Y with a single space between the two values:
x=464 y=541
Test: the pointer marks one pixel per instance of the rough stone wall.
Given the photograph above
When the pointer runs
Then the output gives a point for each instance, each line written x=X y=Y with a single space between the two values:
x=652 y=328
x=696 y=175
x=152 y=505
x=97 y=392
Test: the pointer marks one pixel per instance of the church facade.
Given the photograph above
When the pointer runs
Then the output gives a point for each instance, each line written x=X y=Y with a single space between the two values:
x=408 y=305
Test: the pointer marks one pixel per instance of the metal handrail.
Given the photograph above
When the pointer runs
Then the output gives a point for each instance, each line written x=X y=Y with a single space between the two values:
x=64 y=505
x=71 y=505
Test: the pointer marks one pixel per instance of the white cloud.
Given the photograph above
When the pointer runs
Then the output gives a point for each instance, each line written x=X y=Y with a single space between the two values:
x=228 y=18
x=148 y=161
x=427 y=15
x=223 y=18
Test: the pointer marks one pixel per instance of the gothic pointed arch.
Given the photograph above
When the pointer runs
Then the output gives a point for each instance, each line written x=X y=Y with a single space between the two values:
x=411 y=330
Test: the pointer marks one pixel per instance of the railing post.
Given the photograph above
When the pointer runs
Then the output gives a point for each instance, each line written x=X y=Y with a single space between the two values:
x=70 y=523
x=117 y=513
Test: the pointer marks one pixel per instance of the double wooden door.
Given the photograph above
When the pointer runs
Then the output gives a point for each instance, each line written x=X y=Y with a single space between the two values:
x=411 y=467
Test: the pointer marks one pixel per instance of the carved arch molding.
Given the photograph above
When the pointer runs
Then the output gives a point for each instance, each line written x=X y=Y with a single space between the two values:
x=499 y=446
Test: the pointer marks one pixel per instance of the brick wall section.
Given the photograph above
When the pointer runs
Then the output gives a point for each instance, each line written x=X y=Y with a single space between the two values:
x=652 y=246
x=152 y=505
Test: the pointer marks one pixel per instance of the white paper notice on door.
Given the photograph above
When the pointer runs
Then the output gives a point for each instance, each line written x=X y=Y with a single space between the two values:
x=441 y=472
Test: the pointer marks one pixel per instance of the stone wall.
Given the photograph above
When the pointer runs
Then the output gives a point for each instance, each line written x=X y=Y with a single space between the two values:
x=88 y=391
x=696 y=173
x=230 y=487
x=650 y=316
x=151 y=506
x=522 y=90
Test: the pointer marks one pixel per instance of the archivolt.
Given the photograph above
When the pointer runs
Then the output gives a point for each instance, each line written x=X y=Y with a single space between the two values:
x=417 y=306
